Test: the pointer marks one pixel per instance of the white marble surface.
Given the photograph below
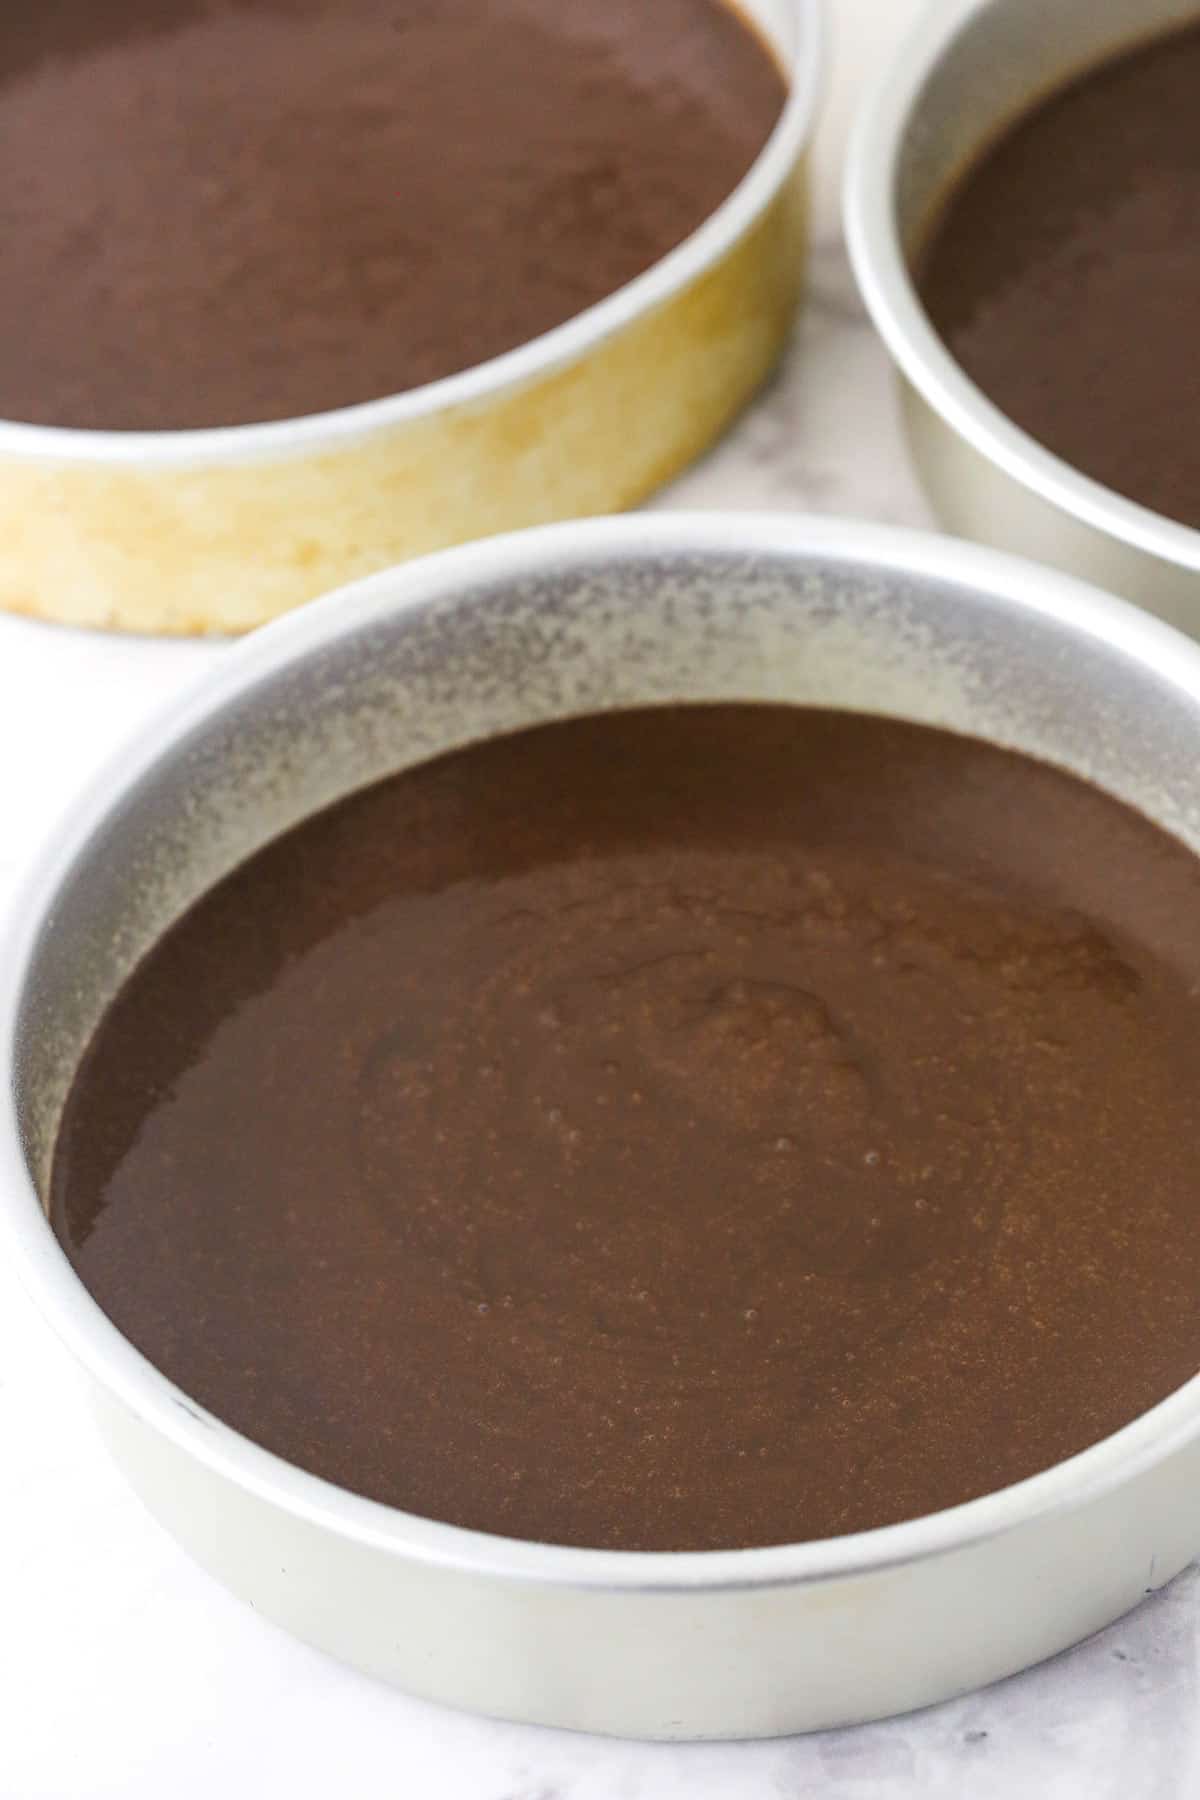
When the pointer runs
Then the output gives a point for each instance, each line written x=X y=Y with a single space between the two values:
x=125 y=1672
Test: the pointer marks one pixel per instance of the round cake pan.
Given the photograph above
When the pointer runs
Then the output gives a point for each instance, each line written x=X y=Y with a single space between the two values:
x=220 y=530
x=967 y=71
x=564 y=621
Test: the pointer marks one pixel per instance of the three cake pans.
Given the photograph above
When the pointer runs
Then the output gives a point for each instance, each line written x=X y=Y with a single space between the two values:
x=456 y=648
x=223 y=529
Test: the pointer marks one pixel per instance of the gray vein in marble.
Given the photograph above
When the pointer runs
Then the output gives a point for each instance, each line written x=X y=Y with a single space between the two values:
x=1114 y=1719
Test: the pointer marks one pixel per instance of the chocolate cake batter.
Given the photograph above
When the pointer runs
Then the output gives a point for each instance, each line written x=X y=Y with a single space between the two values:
x=668 y=1131
x=1065 y=274
x=220 y=211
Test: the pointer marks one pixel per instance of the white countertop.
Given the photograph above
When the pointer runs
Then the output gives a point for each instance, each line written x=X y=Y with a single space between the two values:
x=124 y=1671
